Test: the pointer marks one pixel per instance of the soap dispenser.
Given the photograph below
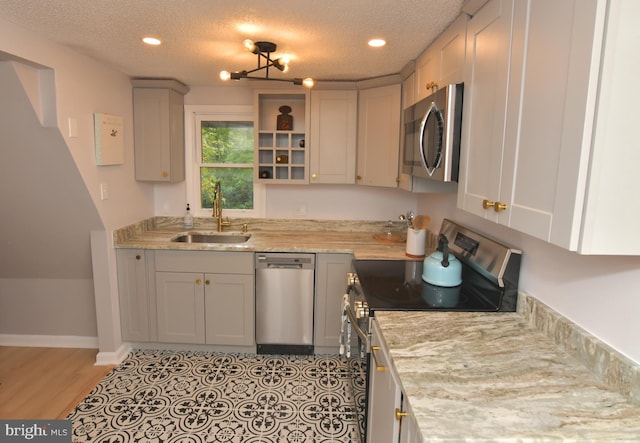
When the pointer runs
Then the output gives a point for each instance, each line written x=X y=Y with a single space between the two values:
x=188 y=218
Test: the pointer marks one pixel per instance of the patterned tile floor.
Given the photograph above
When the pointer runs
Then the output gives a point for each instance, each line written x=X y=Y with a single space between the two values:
x=164 y=396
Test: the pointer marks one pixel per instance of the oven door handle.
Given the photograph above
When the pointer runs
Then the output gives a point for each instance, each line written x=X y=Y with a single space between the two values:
x=354 y=323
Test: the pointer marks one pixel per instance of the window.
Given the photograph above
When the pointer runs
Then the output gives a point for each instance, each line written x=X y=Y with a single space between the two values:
x=221 y=148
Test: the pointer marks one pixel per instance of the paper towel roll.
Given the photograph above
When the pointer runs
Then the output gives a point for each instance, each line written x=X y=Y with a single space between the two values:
x=416 y=240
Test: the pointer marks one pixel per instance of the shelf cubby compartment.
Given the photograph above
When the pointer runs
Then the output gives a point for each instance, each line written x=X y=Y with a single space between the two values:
x=296 y=138
x=265 y=140
x=265 y=172
x=297 y=173
x=297 y=158
x=265 y=156
x=282 y=173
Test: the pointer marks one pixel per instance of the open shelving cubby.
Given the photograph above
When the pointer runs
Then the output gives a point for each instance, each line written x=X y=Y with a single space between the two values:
x=281 y=155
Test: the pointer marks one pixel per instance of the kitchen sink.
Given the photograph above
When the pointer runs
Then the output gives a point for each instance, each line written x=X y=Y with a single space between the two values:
x=201 y=237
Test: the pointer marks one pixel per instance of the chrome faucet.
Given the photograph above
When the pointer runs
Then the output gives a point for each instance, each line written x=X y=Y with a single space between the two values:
x=217 y=207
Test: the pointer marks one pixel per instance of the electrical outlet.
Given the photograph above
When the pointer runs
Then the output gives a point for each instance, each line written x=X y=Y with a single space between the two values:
x=104 y=191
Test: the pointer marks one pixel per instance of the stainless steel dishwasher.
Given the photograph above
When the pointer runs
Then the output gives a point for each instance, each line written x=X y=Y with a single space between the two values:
x=284 y=303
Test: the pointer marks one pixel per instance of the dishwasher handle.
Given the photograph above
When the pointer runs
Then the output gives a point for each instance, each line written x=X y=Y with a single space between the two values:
x=284 y=266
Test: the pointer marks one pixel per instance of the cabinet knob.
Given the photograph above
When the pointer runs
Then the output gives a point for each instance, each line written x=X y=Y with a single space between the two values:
x=359 y=177
x=165 y=174
x=206 y=282
x=400 y=414
x=138 y=257
x=198 y=281
x=431 y=85
x=497 y=206
x=314 y=176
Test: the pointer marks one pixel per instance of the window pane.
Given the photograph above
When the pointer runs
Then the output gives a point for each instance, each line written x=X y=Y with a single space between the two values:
x=236 y=185
x=227 y=142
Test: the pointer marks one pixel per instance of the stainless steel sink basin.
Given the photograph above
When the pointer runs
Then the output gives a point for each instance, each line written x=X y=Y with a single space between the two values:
x=200 y=237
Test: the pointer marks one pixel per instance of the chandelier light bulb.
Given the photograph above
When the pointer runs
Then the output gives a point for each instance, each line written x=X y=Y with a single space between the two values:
x=225 y=75
x=249 y=45
x=308 y=82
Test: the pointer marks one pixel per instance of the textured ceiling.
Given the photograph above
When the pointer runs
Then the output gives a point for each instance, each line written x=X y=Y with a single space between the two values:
x=327 y=39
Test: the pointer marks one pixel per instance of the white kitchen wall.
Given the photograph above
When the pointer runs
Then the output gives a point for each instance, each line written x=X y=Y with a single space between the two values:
x=599 y=293
x=80 y=87
x=337 y=202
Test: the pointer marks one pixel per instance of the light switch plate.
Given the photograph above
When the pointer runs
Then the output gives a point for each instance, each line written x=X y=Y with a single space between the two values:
x=104 y=191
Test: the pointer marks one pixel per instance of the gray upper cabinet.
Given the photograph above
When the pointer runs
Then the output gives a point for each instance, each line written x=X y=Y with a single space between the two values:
x=379 y=136
x=158 y=130
x=333 y=136
x=443 y=61
x=548 y=137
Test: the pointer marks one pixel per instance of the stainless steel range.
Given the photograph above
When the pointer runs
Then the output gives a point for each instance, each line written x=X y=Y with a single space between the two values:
x=490 y=273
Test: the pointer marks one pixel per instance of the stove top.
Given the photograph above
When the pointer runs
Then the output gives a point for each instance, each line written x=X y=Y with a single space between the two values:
x=490 y=274
x=396 y=285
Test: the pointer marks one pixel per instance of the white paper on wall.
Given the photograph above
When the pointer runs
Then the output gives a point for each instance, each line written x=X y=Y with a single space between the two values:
x=108 y=139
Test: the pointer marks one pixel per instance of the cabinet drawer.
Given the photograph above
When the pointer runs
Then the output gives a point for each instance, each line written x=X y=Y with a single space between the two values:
x=218 y=262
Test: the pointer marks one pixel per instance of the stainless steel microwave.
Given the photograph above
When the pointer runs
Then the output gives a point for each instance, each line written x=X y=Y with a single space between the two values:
x=432 y=130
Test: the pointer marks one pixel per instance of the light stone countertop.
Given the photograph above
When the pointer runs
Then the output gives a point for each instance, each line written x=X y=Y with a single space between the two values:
x=493 y=377
x=352 y=237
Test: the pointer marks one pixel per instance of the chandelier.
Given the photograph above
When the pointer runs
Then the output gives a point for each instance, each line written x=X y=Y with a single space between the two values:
x=263 y=50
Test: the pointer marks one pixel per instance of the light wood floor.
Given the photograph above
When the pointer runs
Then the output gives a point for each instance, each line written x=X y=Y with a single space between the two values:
x=45 y=383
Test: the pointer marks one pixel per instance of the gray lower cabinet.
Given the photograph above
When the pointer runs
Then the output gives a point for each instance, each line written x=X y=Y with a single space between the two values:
x=229 y=309
x=134 y=294
x=389 y=414
x=180 y=307
x=191 y=297
x=331 y=283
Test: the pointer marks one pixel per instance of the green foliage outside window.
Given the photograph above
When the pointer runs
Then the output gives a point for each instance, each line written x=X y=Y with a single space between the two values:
x=227 y=155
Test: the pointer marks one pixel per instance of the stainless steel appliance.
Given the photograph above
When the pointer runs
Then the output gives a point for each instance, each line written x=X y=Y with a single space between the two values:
x=432 y=129
x=284 y=303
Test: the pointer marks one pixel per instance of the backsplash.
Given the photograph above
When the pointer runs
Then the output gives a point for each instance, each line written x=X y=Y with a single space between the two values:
x=604 y=362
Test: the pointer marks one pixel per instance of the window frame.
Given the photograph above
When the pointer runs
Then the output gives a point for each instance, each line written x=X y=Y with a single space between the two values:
x=193 y=115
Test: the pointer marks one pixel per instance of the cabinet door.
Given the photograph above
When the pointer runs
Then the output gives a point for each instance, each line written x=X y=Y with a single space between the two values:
x=443 y=61
x=409 y=429
x=229 y=305
x=384 y=394
x=331 y=283
x=426 y=73
x=134 y=296
x=333 y=136
x=379 y=136
x=158 y=119
x=180 y=307
x=485 y=107
x=450 y=48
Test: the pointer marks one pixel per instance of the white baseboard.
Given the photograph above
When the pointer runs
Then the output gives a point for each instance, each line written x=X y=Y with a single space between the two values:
x=113 y=358
x=49 y=341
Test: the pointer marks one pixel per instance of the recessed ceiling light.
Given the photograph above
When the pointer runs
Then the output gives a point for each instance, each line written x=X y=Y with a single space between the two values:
x=377 y=42
x=151 y=41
